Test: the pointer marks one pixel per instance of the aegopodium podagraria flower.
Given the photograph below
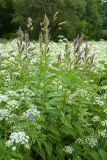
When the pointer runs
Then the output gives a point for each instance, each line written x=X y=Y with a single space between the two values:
x=88 y=140
x=68 y=149
x=104 y=123
x=18 y=138
x=105 y=111
x=96 y=119
x=26 y=92
x=11 y=93
x=4 y=114
x=3 y=98
x=91 y=141
x=98 y=101
x=14 y=148
x=102 y=133
x=13 y=104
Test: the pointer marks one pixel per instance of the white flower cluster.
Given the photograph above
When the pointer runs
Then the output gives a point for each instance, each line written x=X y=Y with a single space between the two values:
x=68 y=149
x=32 y=111
x=12 y=104
x=26 y=92
x=80 y=141
x=83 y=92
x=98 y=101
x=104 y=123
x=89 y=140
x=11 y=93
x=103 y=133
x=105 y=110
x=3 y=98
x=4 y=114
x=105 y=96
x=3 y=72
x=104 y=87
x=18 y=138
x=96 y=119
x=13 y=117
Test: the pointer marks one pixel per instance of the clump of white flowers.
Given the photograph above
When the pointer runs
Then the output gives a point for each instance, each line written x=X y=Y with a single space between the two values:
x=105 y=96
x=3 y=98
x=18 y=138
x=103 y=133
x=32 y=111
x=83 y=92
x=12 y=104
x=104 y=123
x=96 y=119
x=105 y=110
x=26 y=92
x=68 y=149
x=80 y=141
x=98 y=101
x=11 y=93
x=104 y=87
x=4 y=114
x=89 y=140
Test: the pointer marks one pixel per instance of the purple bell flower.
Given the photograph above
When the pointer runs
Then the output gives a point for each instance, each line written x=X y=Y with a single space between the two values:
x=31 y=117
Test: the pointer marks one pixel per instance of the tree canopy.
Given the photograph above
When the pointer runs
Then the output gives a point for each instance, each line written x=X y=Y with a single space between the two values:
x=86 y=17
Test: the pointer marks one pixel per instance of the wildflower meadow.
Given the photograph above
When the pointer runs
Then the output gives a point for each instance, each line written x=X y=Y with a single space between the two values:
x=53 y=98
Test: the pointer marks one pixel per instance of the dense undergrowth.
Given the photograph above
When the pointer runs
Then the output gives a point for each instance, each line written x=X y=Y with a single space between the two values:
x=52 y=108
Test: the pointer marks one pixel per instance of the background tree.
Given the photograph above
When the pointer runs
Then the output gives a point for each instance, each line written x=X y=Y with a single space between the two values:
x=104 y=17
x=86 y=17
x=72 y=11
x=6 y=16
x=94 y=18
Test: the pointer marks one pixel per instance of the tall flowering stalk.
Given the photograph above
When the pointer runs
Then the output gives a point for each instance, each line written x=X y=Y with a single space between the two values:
x=78 y=57
x=44 y=49
x=24 y=49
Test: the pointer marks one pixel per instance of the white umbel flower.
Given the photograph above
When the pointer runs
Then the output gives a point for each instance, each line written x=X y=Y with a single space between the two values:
x=68 y=149
x=104 y=123
x=11 y=93
x=17 y=138
x=88 y=140
x=105 y=111
x=91 y=141
x=98 y=101
x=26 y=92
x=103 y=133
x=4 y=114
x=14 y=148
x=3 y=98
x=96 y=119
x=13 y=104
